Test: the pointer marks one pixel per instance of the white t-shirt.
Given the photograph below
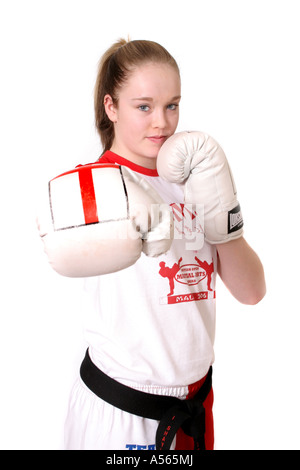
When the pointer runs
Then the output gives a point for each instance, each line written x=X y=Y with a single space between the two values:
x=154 y=322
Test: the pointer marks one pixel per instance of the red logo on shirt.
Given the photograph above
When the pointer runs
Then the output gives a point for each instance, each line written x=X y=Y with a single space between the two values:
x=190 y=275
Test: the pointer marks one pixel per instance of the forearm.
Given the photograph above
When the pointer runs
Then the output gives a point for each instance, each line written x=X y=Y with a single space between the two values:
x=241 y=271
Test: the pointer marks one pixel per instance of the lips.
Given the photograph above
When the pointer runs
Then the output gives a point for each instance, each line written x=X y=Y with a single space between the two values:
x=157 y=139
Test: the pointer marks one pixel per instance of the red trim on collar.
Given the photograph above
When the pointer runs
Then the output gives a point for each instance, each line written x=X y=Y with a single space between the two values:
x=111 y=157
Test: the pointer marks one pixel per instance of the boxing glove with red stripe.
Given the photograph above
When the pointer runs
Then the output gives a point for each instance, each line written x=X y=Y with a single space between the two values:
x=99 y=218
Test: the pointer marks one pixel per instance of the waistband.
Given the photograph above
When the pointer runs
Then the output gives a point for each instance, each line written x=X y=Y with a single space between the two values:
x=171 y=412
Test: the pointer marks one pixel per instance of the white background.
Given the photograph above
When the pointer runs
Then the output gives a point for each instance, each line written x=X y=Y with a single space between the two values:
x=240 y=71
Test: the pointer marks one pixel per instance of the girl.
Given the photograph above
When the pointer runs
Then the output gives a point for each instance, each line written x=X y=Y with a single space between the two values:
x=150 y=328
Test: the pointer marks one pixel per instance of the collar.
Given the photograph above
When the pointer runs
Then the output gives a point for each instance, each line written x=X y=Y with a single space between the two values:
x=111 y=157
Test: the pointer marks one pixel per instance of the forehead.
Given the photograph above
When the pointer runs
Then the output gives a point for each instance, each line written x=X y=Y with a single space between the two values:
x=152 y=79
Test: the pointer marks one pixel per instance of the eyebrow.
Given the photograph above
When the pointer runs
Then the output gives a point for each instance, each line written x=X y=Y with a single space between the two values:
x=148 y=98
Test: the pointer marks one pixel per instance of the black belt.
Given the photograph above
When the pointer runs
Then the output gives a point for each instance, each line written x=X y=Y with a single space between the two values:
x=172 y=412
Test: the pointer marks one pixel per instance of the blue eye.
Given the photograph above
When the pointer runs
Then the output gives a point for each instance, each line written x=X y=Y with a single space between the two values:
x=144 y=107
x=172 y=107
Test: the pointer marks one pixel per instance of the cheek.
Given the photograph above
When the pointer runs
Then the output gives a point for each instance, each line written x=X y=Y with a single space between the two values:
x=138 y=125
x=131 y=121
x=176 y=120
x=132 y=132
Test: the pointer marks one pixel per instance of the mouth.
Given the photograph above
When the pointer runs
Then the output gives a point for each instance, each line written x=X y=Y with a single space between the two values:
x=157 y=139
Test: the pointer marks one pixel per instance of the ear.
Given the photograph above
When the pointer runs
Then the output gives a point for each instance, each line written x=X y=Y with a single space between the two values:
x=110 y=108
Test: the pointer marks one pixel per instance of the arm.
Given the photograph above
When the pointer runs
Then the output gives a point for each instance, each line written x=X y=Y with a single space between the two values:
x=241 y=271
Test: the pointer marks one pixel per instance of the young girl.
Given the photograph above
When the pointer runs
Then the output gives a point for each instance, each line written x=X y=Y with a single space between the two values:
x=146 y=379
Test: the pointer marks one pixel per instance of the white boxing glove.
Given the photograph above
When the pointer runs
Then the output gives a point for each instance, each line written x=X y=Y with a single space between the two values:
x=99 y=218
x=197 y=160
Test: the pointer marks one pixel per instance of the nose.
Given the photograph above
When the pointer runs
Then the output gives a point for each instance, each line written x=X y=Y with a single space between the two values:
x=159 y=119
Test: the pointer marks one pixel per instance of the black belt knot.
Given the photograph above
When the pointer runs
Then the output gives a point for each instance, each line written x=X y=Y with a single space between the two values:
x=189 y=415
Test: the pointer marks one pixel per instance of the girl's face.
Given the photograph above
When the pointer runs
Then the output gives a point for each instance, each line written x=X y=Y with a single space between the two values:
x=147 y=112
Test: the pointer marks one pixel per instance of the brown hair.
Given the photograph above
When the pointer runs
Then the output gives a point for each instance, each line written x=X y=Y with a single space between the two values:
x=114 y=68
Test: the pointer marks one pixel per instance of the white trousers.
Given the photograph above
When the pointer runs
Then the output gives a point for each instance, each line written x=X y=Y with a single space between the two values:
x=93 y=424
